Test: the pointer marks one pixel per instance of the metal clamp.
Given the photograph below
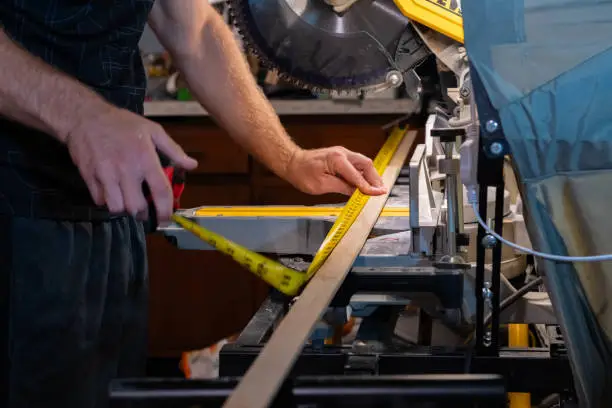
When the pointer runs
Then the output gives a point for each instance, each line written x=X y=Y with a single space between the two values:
x=419 y=181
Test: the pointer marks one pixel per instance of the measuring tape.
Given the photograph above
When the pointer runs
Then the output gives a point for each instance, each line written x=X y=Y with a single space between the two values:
x=354 y=205
x=287 y=280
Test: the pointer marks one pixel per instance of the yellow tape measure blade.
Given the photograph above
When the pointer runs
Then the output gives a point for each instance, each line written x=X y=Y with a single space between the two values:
x=354 y=205
x=286 y=280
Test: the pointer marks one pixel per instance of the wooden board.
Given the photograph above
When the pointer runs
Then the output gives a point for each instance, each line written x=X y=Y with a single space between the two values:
x=264 y=377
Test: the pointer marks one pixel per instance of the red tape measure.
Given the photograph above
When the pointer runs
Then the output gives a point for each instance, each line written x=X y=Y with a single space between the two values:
x=176 y=177
x=177 y=181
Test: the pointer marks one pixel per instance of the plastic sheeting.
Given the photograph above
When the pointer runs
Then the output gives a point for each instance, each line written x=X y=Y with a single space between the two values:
x=546 y=66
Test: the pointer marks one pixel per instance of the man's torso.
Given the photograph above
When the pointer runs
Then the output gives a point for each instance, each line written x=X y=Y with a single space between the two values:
x=94 y=41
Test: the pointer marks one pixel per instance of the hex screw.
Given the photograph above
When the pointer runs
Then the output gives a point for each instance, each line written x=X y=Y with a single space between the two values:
x=491 y=126
x=496 y=148
x=489 y=241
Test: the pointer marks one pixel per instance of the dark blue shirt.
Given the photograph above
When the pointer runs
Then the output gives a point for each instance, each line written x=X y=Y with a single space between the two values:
x=94 y=41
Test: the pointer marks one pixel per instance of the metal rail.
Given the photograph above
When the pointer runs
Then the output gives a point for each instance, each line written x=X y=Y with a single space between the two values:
x=294 y=107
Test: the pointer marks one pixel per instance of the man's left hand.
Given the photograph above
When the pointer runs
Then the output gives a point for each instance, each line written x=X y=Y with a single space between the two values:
x=333 y=170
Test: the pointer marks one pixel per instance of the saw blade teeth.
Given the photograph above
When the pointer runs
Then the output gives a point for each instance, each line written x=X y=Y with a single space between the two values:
x=242 y=19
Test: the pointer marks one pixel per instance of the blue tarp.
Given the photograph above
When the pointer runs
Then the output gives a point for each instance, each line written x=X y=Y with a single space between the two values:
x=546 y=66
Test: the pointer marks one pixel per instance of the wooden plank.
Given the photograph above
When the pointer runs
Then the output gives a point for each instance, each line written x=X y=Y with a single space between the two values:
x=265 y=376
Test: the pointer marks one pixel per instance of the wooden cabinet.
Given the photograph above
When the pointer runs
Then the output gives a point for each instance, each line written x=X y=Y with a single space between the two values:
x=215 y=152
x=198 y=297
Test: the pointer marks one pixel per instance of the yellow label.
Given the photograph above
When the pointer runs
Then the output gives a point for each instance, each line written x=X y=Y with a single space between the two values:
x=442 y=16
x=453 y=6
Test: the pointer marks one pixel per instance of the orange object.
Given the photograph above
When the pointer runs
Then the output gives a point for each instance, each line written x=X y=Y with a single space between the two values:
x=184 y=364
x=340 y=332
x=348 y=327
x=203 y=363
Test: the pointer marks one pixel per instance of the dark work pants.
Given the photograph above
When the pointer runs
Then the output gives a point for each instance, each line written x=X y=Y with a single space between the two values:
x=73 y=300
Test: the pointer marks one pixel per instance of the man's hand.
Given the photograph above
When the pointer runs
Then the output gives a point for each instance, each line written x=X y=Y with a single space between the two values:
x=333 y=170
x=115 y=153
x=113 y=149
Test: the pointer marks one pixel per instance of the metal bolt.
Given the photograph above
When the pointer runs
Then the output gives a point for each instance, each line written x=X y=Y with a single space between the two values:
x=491 y=126
x=487 y=293
x=394 y=78
x=496 y=148
x=487 y=338
x=489 y=241
x=464 y=92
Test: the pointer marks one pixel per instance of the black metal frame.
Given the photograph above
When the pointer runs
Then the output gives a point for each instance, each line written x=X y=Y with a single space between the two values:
x=324 y=391
x=490 y=174
x=446 y=286
x=535 y=370
x=387 y=374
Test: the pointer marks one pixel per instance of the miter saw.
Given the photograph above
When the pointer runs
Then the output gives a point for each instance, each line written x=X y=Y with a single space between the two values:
x=523 y=76
x=348 y=45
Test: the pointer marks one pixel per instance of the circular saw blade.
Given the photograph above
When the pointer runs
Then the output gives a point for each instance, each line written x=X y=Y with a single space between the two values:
x=312 y=46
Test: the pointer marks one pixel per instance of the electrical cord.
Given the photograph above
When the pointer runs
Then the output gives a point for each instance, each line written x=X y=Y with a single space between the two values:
x=472 y=198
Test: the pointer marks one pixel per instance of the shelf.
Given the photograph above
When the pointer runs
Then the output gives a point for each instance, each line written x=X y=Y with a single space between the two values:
x=294 y=107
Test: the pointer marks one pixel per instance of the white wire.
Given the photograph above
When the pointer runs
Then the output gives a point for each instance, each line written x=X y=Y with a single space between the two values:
x=560 y=258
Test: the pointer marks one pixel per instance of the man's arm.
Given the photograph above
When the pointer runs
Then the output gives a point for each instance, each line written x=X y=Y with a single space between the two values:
x=207 y=54
x=35 y=94
x=113 y=149
x=205 y=51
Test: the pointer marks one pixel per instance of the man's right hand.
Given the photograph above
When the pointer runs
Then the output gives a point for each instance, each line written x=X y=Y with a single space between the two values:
x=115 y=153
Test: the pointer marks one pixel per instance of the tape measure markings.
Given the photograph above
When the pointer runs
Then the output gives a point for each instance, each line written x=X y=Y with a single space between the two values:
x=282 y=278
x=354 y=205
